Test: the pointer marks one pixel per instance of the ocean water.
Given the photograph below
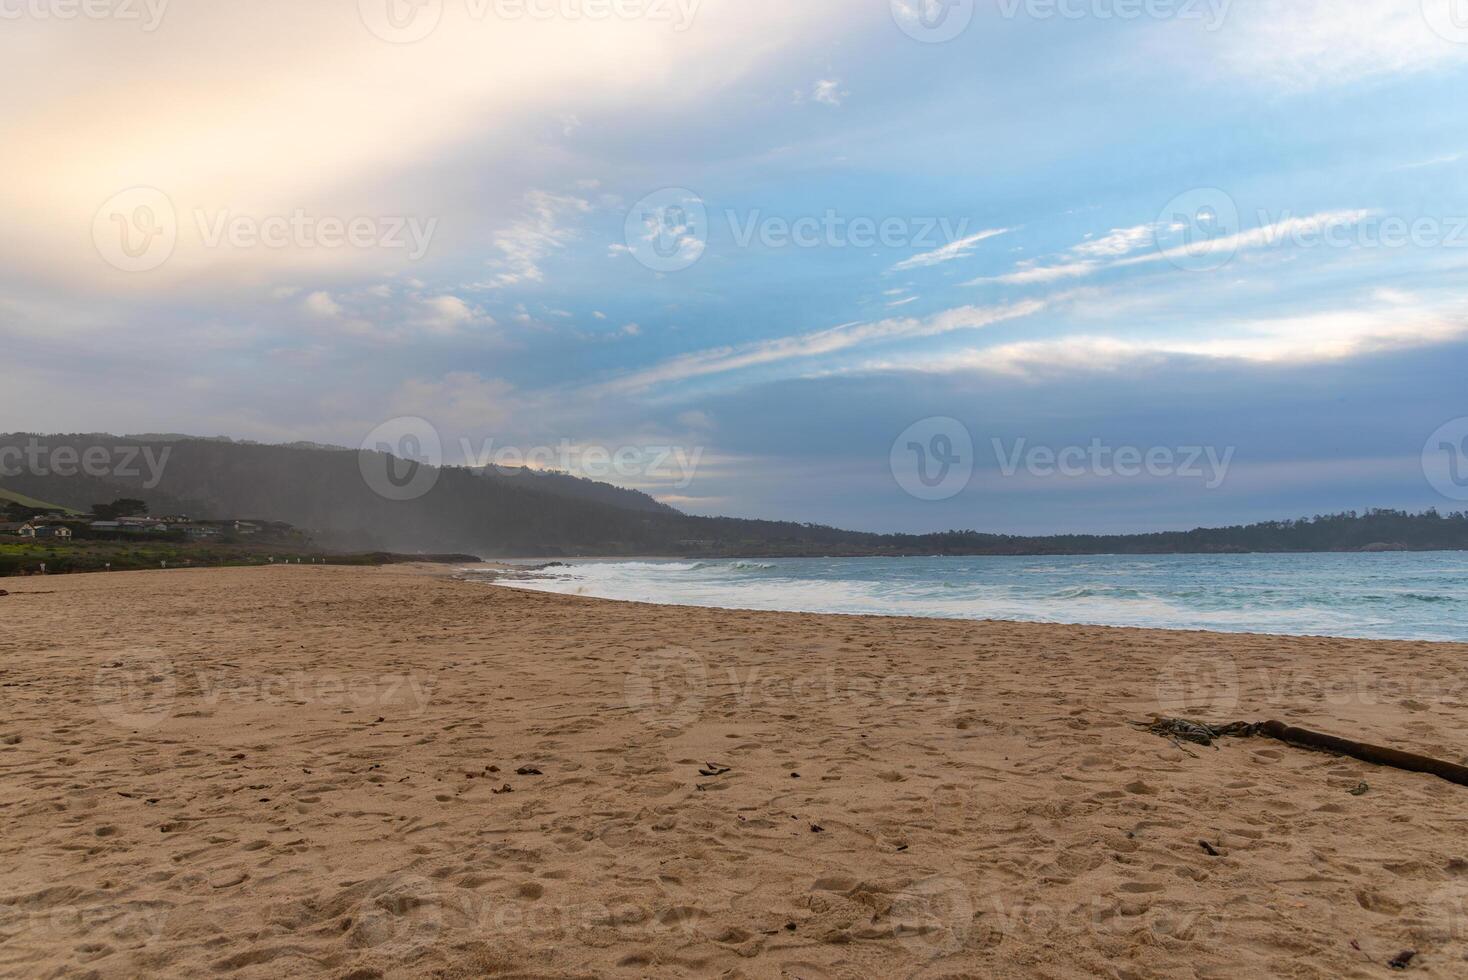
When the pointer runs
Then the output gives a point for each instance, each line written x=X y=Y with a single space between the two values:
x=1407 y=596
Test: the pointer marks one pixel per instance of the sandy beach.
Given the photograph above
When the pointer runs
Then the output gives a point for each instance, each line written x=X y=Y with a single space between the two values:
x=388 y=772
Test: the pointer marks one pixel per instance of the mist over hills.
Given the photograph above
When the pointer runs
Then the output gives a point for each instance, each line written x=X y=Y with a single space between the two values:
x=321 y=489
x=515 y=513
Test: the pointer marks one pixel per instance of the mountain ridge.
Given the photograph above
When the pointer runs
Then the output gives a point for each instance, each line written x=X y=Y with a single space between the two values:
x=546 y=514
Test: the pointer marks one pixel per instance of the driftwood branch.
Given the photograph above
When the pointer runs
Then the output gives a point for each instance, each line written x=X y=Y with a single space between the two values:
x=1375 y=754
x=1205 y=734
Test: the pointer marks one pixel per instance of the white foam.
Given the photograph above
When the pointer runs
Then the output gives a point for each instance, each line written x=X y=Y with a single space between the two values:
x=1287 y=595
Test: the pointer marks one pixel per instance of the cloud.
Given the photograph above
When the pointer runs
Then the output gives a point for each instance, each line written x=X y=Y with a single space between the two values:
x=321 y=304
x=375 y=314
x=1312 y=338
x=444 y=314
x=948 y=253
x=1277 y=233
x=526 y=243
x=398 y=141
x=1437 y=161
x=1310 y=44
x=1029 y=273
x=722 y=360
x=828 y=92
x=657 y=225
x=1083 y=258
x=1120 y=241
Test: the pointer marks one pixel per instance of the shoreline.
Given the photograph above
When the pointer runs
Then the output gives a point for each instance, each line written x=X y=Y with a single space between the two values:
x=363 y=771
x=912 y=620
x=439 y=569
x=817 y=555
x=1401 y=623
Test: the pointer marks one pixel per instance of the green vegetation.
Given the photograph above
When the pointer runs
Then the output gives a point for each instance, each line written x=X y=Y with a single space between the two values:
x=124 y=507
x=10 y=497
x=19 y=557
x=26 y=557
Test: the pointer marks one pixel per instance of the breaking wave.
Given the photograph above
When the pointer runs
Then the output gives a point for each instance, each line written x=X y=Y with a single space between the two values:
x=1415 y=596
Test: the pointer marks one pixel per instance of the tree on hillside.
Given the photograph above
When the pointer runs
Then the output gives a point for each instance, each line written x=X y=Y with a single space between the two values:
x=123 y=507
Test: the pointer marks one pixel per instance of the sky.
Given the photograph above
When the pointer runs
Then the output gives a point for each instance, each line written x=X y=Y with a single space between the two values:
x=1010 y=265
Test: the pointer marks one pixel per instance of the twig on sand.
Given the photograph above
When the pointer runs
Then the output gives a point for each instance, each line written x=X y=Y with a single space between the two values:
x=1174 y=729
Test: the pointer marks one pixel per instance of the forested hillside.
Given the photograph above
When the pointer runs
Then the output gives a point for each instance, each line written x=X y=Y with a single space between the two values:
x=520 y=513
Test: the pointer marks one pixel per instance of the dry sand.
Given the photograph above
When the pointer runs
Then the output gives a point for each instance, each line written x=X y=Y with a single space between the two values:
x=312 y=771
